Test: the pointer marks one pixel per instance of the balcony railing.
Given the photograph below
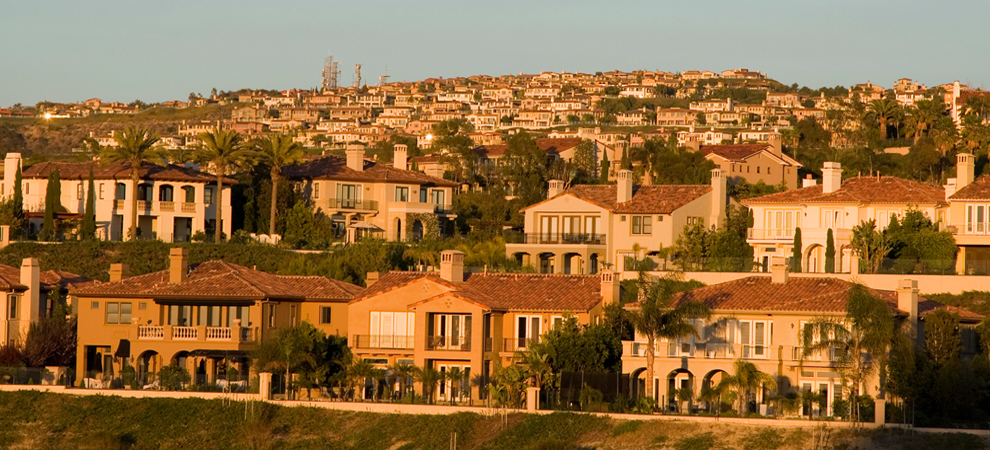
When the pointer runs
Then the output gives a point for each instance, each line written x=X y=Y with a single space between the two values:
x=151 y=332
x=720 y=350
x=185 y=333
x=783 y=234
x=119 y=203
x=365 y=341
x=177 y=333
x=166 y=206
x=188 y=207
x=453 y=343
x=519 y=343
x=969 y=228
x=348 y=203
x=218 y=334
x=555 y=238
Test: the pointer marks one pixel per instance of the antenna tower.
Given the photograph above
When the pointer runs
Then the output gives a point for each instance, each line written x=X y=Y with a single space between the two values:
x=384 y=78
x=330 y=73
x=357 y=75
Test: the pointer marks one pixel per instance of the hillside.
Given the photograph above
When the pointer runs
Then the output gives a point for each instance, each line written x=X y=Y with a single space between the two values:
x=34 y=420
x=60 y=136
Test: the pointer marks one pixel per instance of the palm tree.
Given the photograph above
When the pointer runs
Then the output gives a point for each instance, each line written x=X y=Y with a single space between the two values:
x=883 y=109
x=659 y=317
x=857 y=344
x=134 y=146
x=358 y=374
x=225 y=151
x=747 y=378
x=430 y=378
x=403 y=371
x=456 y=376
x=277 y=151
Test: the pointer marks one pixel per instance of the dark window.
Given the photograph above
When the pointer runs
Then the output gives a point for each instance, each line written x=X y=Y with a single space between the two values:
x=325 y=314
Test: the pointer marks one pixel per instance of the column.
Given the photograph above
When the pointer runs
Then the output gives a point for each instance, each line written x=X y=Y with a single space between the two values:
x=559 y=261
x=961 y=261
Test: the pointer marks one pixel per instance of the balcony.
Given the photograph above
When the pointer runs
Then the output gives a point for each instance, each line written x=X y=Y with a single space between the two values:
x=448 y=343
x=720 y=350
x=555 y=238
x=521 y=343
x=188 y=207
x=807 y=234
x=382 y=342
x=770 y=234
x=177 y=333
x=166 y=206
x=349 y=203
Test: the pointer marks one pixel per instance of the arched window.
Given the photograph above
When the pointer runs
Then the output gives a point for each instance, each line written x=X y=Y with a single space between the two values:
x=121 y=192
x=165 y=193
x=190 y=194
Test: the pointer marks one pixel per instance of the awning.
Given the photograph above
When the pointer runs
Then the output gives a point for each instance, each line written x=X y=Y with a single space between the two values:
x=123 y=349
x=203 y=353
x=362 y=225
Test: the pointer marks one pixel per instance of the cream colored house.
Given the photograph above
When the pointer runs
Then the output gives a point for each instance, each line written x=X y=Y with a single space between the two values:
x=370 y=199
x=174 y=202
x=836 y=204
x=471 y=321
x=754 y=163
x=589 y=227
x=758 y=319
x=24 y=296
x=969 y=216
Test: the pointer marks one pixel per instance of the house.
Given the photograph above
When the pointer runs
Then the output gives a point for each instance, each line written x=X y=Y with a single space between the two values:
x=969 y=216
x=174 y=202
x=24 y=296
x=754 y=162
x=370 y=199
x=587 y=227
x=206 y=318
x=759 y=319
x=838 y=205
x=472 y=321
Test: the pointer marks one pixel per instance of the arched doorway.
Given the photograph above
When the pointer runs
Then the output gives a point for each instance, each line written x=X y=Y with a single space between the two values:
x=149 y=362
x=713 y=403
x=417 y=230
x=814 y=259
x=593 y=263
x=680 y=391
x=397 y=226
x=547 y=263
x=637 y=383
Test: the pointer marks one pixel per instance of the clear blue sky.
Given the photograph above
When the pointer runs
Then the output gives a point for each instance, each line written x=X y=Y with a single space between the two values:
x=160 y=50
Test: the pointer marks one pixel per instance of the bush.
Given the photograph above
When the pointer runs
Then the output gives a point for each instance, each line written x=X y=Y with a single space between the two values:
x=172 y=378
x=629 y=426
x=704 y=441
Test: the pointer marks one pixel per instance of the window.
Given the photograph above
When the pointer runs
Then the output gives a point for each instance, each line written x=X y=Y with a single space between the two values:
x=271 y=316
x=832 y=218
x=120 y=192
x=437 y=197
x=118 y=313
x=208 y=196
x=293 y=309
x=642 y=225
x=27 y=188
x=753 y=335
x=782 y=223
x=422 y=195
x=143 y=305
x=180 y=315
x=527 y=328
x=95 y=305
x=101 y=191
x=210 y=316
x=238 y=313
x=556 y=322
x=391 y=329
x=325 y=315
x=79 y=191
x=316 y=191
x=12 y=304
x=401 y=194
x=695 y=221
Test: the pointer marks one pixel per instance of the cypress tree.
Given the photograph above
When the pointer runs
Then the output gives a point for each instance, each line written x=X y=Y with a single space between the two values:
x=796 y=252
x=829 y=252
x=48 y=226
x=603 y=176
x=89 y=219
x=624 y=163
x=18 y=203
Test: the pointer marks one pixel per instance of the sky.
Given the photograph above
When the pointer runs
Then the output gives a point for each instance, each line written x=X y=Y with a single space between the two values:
x=70 y=50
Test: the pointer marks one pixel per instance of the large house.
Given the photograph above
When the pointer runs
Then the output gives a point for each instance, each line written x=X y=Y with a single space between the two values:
x=753 y=163
x=25 y=296
x=588 y=227
x=471 y=321
x=174 y=202
x=758 y=319
x=205 y=318
x=369 y=199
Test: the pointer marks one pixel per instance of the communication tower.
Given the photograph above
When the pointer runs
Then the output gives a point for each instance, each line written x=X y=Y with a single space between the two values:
x=357 y=75
x=330 y=73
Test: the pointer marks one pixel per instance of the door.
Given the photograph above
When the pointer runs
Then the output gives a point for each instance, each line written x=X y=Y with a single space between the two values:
x=527 y=329
x=348 y=195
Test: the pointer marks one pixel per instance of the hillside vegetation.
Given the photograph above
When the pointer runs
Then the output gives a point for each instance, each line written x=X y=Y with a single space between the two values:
x=34 y=420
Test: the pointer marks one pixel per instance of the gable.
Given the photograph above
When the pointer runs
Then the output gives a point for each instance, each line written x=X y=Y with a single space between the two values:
x=566 y=202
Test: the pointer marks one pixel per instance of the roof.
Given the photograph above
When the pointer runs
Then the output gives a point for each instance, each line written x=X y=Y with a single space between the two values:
x=884 y=189
x=64 y=280
x=549 y=145
x=119 y=171
x=506 y=292
x=656 y=199
x=979 y=189
x=10 y=278
x=220 y=279
x=335 y=168
x=799 y=294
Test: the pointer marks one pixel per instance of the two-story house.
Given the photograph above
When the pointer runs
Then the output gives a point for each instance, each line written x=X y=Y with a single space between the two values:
x=838 y=205
x=365 y=198
x=205 y=318
x=969 y=216
x=174 y=202
x=588 y=227
x=467 y=320
x=754 y=163
x=24 y=296
x=759 y=319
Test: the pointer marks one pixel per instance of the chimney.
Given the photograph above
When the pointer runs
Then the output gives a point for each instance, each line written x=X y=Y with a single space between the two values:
x=452 y=266
x=693 y=142
x=808 y=181
x=624 y=186
x=718 y=198
x=401 y=153
x=831 y=177
x=119 y=272
x=907 y=301
x=965 y=169
x=178 y=265
x=610 y=287
x=776 y=143
x=950 y=187
x=355 y=157
x=371 y=279
x=31 y=306
x=556 y=188
x=779 y=272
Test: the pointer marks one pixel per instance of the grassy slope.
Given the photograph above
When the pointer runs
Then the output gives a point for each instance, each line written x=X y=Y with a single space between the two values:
x=52 y=421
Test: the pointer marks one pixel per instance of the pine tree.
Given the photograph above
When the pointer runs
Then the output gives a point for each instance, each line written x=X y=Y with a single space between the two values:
x=796 y=252
x=89 y=219
x=829 y=252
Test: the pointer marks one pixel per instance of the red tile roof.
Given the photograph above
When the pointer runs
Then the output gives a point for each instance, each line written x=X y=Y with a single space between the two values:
x=220 y=279
x=64 y=280
x=10 y=278
x=885 y=189
x=119 y=171
x=656 y=199
x=979 y=189
x=335 y=168
x=506 y=292
x=550 y=145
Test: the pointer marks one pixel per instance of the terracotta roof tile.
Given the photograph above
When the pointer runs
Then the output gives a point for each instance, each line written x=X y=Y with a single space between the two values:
x=119 y=171
x=335 y=168
x=977 y=190
x=10 y=278
x=549 y=145
x=885 y=189
x=64 y=280
x=656 y=199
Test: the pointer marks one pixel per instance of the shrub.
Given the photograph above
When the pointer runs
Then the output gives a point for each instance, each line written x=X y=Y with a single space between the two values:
x=704 y=441
x=172 y=378
x=628 y=426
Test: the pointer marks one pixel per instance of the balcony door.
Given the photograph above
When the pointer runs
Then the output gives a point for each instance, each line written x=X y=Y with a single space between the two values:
x=549 y=227
x=392 y=329
x=527 y=328
x=348 y=195
x=453 y=331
